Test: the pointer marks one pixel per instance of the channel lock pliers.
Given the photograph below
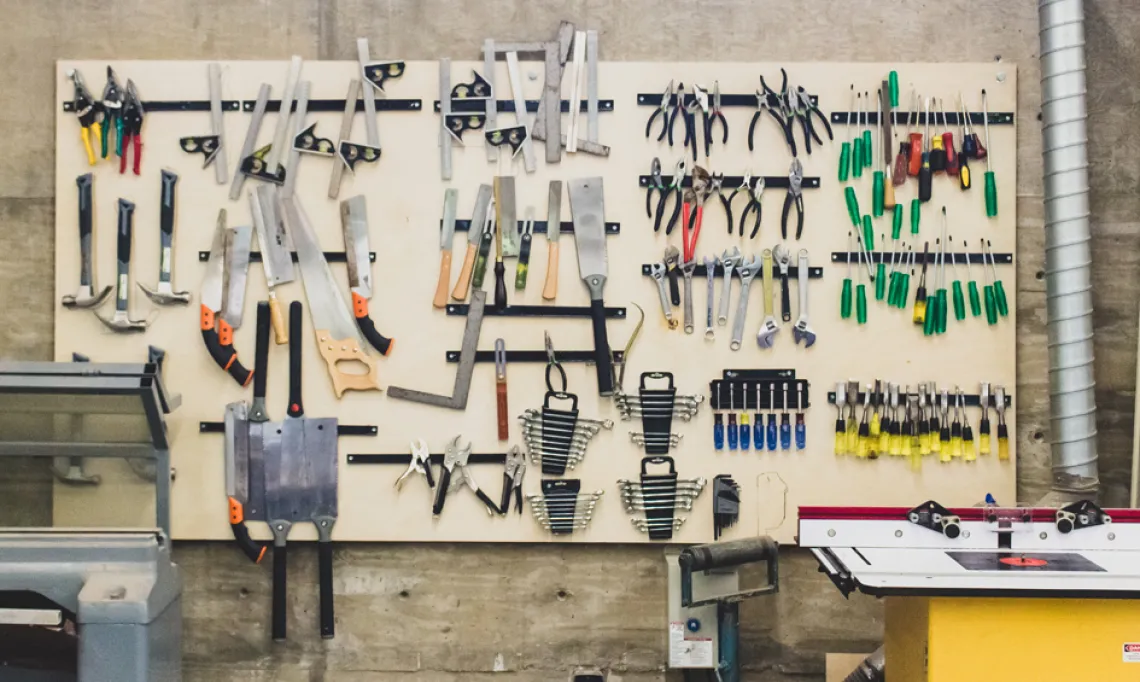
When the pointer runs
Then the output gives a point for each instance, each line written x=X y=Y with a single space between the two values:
x=673 y=189
x=755 y=193
x=512 y=481
x=420 y=464
x=795 y=196
x=88 y=111
x=695 y=198
x=455 y=475
x=112 y=113
x=132 y=119
x=668 y=102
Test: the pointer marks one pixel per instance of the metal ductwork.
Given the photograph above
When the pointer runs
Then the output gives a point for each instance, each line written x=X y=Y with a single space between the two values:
x=1068 y=272
x=872 y=669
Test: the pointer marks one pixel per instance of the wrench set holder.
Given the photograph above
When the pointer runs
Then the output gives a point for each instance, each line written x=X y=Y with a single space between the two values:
x=556 y=437
x=659 y=496
x=562 y=508
x=657 y=407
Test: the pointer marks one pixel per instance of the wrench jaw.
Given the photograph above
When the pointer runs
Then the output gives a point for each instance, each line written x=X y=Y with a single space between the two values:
x=803 y=333
x=766 y=337
x=165 y=294
x=85 y=298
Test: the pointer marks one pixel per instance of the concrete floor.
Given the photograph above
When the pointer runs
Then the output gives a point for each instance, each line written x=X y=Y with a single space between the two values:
x=424 y=613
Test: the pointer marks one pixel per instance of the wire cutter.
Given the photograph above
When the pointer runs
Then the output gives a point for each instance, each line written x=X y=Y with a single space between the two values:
x=112 y=105
x=455 y=475
x=88 y=112
x=420 y=464
x=716 y=186
x=755 y=193
x=700 y=101
x=673 y=189
x=132 y=121
x=512 y=480
x=715 y=114
x=795 y=196
x=668 y=102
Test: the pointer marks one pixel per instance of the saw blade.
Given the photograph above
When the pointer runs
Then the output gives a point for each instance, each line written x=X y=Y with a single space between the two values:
x=276 y=261
x=354 y=224
x=210 y=293
x=235 y=273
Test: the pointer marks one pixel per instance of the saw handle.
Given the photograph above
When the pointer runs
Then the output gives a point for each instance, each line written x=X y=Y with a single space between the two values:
x=459 y=293
x=603 y=360
x=440 y=299
x=220 y=346
x=296 y=407
x=368 y=327
x=251 y=549
x=550 y=288
x=346 y=350
x=325 y=578
x=280 y=576
x=501 y=410
x=280 y=334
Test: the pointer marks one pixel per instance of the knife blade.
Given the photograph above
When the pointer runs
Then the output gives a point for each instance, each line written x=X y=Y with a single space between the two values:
x=338 y=338
x=507 y=214
x=354 y=225
x=276 y=261
x=446 y=235
x=216 y=332
x=553 y=232
x=234 y=274
x=237 y=477
x=474 y=235
x=587 y=207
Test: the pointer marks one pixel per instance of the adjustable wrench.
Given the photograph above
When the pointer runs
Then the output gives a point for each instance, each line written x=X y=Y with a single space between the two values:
x=657 y=271
x=766 y=337
x=687 y=270
x=783 y=259
x=802 y=332
x=672 y=259
x=747 y=272
x=728 y=261
x=710 y=276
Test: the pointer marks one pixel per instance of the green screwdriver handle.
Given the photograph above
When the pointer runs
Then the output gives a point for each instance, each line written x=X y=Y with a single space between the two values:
x=897 y=220
x=877 y=196
x=991 y=195
x=915 y=215
x=868 y=233
x=868 y=150
x=959 y=302
x=845 y=300
x=857 y=158
x=991 y=306
x=893 y=83
x=893 y=289
x=861 y=303
x=904 y=291
x=975 y=300
x=999 y=294
x=852 y=206
x=943 y=311
x=844 y=161
x=929 y=324
x=880 y=281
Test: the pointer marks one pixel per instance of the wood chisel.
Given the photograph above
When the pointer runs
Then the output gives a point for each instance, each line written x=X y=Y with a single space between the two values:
x=276 y=261
x=446 y=234
x=553 y=231
x=474 y=237
x=587 y=206
x=354 y=225
x=338 y=339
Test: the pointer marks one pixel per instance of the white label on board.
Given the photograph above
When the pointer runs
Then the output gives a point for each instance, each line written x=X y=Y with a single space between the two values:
x=693 y=652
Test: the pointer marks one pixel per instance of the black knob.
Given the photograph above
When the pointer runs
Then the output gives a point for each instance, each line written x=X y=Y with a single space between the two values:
x=1065 y=524
x=952 y=530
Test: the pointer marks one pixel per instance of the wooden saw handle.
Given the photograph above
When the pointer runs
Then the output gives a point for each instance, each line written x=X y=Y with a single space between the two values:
x=459 y=293
x=346 y=350
x=280 y=331
x=440 y=299
x=550 y=288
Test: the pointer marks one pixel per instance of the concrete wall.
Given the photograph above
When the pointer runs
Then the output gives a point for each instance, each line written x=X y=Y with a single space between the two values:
x=420 y=613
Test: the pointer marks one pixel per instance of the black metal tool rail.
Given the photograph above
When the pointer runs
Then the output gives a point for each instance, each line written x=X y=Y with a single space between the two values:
x=731 y=182
x=474 y=458
x=273 y=105
x=460 y=309
x=539 y=226
x=476 y=106
x=901 y=256
x=514 y=356
x=699 y=271
x=255 y=256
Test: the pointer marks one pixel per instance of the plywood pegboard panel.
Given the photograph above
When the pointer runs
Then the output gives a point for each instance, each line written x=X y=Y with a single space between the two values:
x=405 y=197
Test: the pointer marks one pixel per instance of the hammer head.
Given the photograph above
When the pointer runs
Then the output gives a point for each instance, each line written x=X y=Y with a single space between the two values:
x=120 y=322
x=165 y=295
x=802 y=332
x=766 y=337
x=86 y=298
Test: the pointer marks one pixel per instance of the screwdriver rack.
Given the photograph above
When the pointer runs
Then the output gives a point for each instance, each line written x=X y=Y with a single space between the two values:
x=931 y=258
x=901 y=118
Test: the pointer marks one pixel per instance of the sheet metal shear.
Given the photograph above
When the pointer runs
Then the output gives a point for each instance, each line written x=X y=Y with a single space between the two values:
x=132 y=120
x=88 y=111
x=112 y=106
x=795 y=196
x=420 y=464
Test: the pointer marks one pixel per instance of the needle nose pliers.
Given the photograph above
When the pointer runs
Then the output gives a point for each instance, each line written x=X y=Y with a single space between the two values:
x=112 y=113
x=88 y=111
x=795 y=196
x=132 y=119
x=668 y=110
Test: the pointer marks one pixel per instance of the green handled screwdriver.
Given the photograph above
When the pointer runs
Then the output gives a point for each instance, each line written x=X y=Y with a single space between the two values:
x=988 y=292
x=925 y=177
x=972 y=286
x=857 y=145
x=852 y=205
x=999 y=289
x=896 y=221
x=881 y=273
x=845 y=294
x=868 y=151
x=868 y=233
x=845 y=149
x=991 y=182
x=877 y=187
x=959 y=298
x=943 y=307
x=861 y=290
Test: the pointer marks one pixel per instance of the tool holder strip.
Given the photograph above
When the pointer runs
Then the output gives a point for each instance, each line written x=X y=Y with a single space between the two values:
x=759 y=374
x=514 y=356
x=273 y=105
x=900 y=120
x=968 y=399
x=731 y=182
x=460 y=309
x=474 y=458
x=700 y=271
x=341 y=429
x=476 y=106
x=898 y=256
x=255 y=256
x=539 y=226
x=646 y=99
x=743 y=396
